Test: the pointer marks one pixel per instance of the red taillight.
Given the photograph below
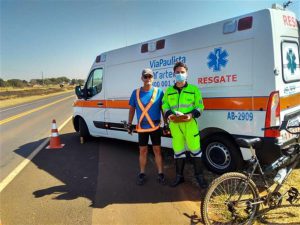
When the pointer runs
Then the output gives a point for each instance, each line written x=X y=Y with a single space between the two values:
x=273 y=114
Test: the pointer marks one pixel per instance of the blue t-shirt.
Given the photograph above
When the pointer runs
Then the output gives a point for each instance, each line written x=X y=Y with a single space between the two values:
x=155 y=110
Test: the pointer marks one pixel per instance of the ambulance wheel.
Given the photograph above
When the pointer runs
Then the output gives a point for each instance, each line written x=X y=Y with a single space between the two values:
x=83 y=129
x=220 y=154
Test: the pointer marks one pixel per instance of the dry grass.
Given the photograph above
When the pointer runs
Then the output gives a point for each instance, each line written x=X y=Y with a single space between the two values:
x=286 y=213
x=13 y=96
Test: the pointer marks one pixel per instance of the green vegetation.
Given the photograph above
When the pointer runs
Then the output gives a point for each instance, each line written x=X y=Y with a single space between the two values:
x=17 y=83
x=10 y=96
x=12 y=93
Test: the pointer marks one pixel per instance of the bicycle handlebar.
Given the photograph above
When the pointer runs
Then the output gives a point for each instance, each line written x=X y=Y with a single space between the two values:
x=283 y=126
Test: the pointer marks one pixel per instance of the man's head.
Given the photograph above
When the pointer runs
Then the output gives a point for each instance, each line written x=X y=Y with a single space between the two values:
x=147 y=76
x=179 y=64
x=180 y=71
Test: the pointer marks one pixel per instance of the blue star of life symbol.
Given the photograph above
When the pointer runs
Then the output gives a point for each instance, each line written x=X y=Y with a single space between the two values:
x=290 y=56
x=217 y=59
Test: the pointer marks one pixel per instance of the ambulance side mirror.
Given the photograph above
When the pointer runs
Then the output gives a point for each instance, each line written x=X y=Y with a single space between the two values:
x=79 y=92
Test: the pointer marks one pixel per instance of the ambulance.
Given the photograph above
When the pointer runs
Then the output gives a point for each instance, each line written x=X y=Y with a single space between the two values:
x=246 y=67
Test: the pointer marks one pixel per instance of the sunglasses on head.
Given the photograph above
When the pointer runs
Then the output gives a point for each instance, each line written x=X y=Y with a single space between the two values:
x=147 y=76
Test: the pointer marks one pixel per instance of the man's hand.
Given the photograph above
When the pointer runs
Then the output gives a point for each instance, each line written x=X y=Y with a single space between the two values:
x=177 y=113
x=130 y=128
x=166 y=130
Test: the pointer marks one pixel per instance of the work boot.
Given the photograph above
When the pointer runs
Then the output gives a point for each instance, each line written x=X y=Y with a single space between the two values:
x=178 y=180
x=198 y=168
x=141 y=179
x=179 y=172
x=201 y=181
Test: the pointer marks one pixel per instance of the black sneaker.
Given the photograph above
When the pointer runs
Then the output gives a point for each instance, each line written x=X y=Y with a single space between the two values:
x=161 y=178
x=141 y=179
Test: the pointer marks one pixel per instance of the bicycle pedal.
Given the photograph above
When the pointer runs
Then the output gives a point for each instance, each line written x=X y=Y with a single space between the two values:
x=293 y=195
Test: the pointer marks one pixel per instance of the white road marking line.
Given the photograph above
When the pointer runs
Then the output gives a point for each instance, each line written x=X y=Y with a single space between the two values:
x=21 y=166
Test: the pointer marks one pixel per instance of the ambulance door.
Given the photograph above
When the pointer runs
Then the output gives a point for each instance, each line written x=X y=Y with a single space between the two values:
x=289 y=87
x=94 y=109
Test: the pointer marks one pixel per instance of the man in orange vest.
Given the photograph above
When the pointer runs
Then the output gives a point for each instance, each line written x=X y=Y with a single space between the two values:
x=147 y=101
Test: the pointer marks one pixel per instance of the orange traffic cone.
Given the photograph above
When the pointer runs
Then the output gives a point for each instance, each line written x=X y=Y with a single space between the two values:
x=54 y=140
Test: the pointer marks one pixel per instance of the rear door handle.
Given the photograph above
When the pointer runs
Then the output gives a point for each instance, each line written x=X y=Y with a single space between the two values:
x=100 y=103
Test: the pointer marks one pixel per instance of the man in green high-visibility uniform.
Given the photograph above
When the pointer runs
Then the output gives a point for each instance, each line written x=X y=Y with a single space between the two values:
x=182 y=105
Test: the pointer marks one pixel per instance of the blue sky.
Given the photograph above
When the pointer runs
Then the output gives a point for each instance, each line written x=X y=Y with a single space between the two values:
x=62 y=38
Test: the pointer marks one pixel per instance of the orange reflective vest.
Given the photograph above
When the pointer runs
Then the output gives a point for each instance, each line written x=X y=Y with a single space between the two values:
x=145 y=112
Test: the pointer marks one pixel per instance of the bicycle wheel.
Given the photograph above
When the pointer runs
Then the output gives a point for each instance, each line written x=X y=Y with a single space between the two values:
x=230 y=200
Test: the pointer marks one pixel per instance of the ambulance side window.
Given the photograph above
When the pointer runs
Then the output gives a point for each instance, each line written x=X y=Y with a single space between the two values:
x=290 y=61
x=94 y=84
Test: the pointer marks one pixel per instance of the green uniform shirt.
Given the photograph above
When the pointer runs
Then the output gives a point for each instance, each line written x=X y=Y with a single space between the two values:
x=185 y=101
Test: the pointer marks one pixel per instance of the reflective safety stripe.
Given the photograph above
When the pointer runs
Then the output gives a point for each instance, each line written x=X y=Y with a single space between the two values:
x=180 y=155
x=196 y=154
x=182 y=106
x=54 y=135
x=186 y=105
x=145 y=112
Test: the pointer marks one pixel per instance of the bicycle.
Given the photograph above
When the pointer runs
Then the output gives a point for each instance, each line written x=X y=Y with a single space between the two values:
x=233 y=198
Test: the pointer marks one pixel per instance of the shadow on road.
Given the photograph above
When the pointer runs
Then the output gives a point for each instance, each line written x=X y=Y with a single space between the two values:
x=104 y=171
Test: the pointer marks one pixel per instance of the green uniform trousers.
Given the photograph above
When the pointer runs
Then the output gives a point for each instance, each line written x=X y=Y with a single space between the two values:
x=185 y=132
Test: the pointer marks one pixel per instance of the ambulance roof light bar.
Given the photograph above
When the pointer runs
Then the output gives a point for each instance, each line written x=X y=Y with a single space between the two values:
x=281 y=7
x=277 y=6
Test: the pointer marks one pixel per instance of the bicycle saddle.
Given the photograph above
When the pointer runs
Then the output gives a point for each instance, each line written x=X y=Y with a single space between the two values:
x=247 y=143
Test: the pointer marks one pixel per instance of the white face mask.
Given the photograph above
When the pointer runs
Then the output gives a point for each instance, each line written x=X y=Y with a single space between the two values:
x=180 y=77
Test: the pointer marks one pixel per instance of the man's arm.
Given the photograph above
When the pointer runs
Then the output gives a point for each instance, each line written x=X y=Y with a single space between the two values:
x=130 y=118
x=166 y=107
x=199 y=106
x=163 y=116
x=131 y=114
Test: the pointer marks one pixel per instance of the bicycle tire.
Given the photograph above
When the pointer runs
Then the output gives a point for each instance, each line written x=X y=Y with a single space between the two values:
x=230 y=184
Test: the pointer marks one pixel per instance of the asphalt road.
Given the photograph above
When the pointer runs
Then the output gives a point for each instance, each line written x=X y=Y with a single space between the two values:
x=24 y=127
x=86 y=184
x=94 y=183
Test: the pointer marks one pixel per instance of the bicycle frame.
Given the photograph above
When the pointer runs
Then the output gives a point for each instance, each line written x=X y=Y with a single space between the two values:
x=242 y=197
x=294 y=160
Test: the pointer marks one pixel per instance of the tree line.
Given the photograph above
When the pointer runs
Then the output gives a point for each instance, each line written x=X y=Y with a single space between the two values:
x=47 y=81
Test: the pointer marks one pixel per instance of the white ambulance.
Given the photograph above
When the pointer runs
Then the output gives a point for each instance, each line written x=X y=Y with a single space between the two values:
x=247 y=68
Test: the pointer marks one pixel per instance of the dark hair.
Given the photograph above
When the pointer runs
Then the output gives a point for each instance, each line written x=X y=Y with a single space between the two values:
x=180 y=64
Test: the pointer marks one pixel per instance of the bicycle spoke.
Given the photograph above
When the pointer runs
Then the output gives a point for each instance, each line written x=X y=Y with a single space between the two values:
x=231 y=202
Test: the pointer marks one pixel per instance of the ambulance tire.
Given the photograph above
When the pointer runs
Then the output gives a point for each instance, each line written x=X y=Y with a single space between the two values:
x=83 y=129
x=220 y=154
